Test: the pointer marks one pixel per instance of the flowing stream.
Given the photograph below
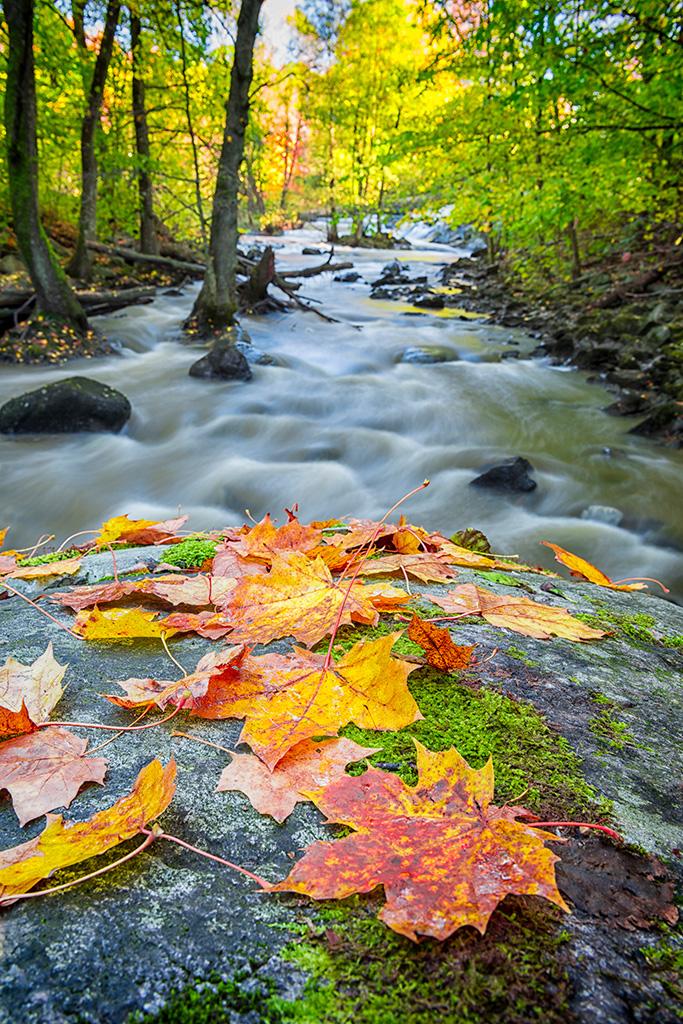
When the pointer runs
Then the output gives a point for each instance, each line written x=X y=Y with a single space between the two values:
x=341 y=428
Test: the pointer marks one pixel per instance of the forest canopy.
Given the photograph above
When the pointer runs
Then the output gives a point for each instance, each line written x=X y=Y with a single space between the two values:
x=554 y=128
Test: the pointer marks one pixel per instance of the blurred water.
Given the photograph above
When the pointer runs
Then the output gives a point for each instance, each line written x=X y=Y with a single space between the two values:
x=343 y=429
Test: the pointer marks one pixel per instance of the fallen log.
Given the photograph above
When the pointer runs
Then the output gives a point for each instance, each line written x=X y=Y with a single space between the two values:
x=322 y=268
x=133 y=256
x=639 y=284
x=16 y=305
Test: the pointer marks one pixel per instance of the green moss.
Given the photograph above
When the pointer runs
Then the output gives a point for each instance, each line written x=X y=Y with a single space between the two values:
x=528 y=758
x=190 y=553
x=608 y=728
x=636 y=629
x=520 y=655
x=362 y=973
x=215 y=1001
x=665 y=960
x=54 y=556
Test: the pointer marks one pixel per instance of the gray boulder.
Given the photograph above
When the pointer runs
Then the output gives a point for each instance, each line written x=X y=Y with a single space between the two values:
x=223 y=361
x=512 y=476
x=66 y=407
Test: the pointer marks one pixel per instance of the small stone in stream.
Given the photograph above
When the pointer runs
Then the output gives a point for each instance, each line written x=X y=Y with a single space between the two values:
x=427 y=354
x=174 y=293
x=429 y=301
x=66 y=407
x=223 y=361
x=603 y=514
x=310 y=250
x=512 y=475
x=348 y=278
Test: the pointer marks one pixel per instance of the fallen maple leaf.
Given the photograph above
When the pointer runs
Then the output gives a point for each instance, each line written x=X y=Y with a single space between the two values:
x=194 y=591
x=192 y=691
x=265 y=539
x=3 y=534
x=309 y=765
x=440 y=651
x=45 y=770
x=360 y=533
x=119 y=624
x=519 y=614
x=7 y=563
x=430 y=568
x=15 y=723
x=286 y=699
x=583 y=570
x=67 y=567
x=138 y=531
x=444 y=853
x=408 y=539
x=62 y=844
x=212 y=625
x=463 y=556
x=226 y=562
x=299 y=598
x=37 y=687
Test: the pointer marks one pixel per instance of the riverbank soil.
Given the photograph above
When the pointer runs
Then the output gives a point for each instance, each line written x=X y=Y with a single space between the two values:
x=621 y=319
x=587 y=732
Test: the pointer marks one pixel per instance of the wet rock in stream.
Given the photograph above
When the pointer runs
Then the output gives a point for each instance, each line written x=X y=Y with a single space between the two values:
x=66 y=407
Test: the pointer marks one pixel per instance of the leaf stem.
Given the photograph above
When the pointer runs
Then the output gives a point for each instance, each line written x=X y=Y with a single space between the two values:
x=18 y=593
x=212 y=856
x=578 y=824
x=641 y=579
x=359 y=566
x=198 y=739
x=114 y=728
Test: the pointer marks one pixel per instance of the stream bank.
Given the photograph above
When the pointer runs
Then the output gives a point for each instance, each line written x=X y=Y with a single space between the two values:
x=622 y=322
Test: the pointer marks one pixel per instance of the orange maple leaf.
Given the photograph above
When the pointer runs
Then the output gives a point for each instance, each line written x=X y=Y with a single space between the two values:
x=299 y=598
x=519 y=614
x=444 y=853
x=440 y=651
x=45 y=770
x=62 y=844
x=583 y=570
x=308 y=765
x=66 y=567
x=265 y=539
x=289 y=698
x=16 y=723
x=193 y=691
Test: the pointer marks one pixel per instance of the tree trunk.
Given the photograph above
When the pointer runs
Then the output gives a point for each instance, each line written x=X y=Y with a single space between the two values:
x=217 y=302
x=54 y=295
x=149 y=242
x=80 y=265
